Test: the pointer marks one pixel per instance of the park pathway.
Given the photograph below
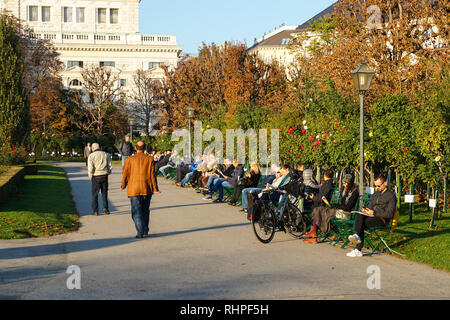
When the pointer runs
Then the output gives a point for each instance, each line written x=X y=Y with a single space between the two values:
x=196 y=250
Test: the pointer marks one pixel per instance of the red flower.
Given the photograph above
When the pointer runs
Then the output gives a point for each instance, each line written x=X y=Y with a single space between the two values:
x=14 y=152
x=278 y=129
x=404 y=149
x=343 y=129
x=335 y=121
x=317 y=142
x=302 y=147
x=13 y=148
x=325 y=135
x=314 y=149
x=303 y=131
x=291 y=130
x=311 y=138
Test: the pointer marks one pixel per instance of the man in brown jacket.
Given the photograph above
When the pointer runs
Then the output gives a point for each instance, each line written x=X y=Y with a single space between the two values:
x=139 y=176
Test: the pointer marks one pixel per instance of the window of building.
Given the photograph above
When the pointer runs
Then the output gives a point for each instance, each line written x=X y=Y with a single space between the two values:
x=67 y=14
x=45 y=13
x=71 y=64
x=113 y=16
x=33 y=13
x=80 y=15
x=123 y=82
x=107 y=64
x=75 y=83
x=286 y=41
x=101 y=15
x=152 y=65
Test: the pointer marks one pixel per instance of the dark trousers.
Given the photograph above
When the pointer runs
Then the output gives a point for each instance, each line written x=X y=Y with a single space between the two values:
x=181 y=172
x=363 y=222
x=99 y=183
x=237 y=192
x=140 y=213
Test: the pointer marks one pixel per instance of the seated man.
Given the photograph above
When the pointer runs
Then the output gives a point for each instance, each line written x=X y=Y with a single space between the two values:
x=311 y=188
x=277 y=183
x=218 y=172
x=250 y=180
x=171 y=163
x=274 y=171
x=380 y=211
x=322 y=215
x=189 y=174
x=228 y=181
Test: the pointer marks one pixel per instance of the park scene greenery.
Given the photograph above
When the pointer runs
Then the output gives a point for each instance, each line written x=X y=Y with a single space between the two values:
x=313 y=106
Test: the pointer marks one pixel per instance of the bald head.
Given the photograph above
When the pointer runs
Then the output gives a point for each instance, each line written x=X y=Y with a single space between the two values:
x=140 y=146
x=95 y=146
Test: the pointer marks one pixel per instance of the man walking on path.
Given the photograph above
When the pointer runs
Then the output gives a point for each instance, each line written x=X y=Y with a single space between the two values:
x=125 y=149
x=87 y=152
x=139 y=176
x=99 y=167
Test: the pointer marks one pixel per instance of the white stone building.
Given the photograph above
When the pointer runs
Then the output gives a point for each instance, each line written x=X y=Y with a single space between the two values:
x=97 y=32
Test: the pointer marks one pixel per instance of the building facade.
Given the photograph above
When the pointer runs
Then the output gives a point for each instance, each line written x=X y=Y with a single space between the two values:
x=97 y=33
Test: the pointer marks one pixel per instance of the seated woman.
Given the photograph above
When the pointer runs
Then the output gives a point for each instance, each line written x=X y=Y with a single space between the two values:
x=277 y=183
x=323 y=215
x=250 y=180
x=311 y=188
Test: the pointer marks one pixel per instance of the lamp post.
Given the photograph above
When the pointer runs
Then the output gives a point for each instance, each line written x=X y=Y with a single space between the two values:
x=131 y=123
x=362 y=78
x=190 y=114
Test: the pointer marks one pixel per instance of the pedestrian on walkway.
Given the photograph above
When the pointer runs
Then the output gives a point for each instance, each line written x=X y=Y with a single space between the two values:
x=87 y=152
x=140 y=180
x=125 y=149
x=99 y=167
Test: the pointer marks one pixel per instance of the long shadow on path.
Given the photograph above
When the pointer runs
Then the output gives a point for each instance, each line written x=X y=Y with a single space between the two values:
x=92 y=244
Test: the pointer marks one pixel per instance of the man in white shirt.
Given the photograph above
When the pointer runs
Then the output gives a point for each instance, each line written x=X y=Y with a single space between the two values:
x=99 y=167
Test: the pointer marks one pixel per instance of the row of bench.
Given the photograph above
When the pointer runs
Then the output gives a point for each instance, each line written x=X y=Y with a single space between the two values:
x=375 y=239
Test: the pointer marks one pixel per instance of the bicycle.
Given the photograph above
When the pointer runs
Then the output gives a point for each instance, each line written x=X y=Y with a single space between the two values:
x=286 y=216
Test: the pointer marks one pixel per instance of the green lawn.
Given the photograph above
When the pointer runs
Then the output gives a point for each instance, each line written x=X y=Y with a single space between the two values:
x=43 y=208
x=419 y=243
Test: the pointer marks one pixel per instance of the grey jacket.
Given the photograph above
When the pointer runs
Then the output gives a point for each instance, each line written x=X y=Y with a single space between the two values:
x=99 y=164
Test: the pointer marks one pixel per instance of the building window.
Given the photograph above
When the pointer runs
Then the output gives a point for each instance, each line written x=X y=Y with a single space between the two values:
x=101 y=15
x=152 y=65
x=45 y=14
x=286 y=41
x=67 y=14
x=75 y=83
x=80 y=15
x=123 y=82
x=113 y=16
x=107 y=64
x=71 y=64
x=33 y=13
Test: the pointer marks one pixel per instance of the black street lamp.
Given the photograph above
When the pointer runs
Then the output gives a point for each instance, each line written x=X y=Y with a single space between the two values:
x=190 y=114
x=362 y=78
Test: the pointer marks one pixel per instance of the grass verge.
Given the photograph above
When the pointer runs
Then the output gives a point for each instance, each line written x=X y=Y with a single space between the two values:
x=44 y=207
x=420 y=243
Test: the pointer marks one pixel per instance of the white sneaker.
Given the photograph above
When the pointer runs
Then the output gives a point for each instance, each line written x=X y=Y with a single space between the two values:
x=355 y=253
x=354 y=239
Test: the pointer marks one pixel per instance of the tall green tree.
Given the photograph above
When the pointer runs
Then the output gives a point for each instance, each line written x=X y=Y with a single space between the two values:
x=14 y=106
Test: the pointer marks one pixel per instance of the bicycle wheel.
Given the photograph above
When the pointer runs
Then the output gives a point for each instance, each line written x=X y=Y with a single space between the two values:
x=296 y=225
x=264 y=225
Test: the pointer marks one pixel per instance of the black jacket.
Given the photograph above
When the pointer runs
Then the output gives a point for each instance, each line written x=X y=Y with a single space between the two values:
x=324 y=191
x=126 y=148
x=348 y=203
x=237 y=173
x=383 y=204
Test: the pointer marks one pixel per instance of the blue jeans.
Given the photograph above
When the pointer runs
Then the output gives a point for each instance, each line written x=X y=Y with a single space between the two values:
x=186 y=178
x=140 y=213
x=244 y=195
x=123 y=160
x=220 y=184
x=211 y=181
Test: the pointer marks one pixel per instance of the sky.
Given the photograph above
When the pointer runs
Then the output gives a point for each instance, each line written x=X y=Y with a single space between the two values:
x=197 y=21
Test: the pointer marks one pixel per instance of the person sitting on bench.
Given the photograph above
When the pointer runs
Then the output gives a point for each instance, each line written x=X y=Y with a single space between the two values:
x=380 y=211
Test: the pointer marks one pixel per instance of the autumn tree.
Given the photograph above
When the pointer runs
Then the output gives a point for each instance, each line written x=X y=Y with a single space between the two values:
x=146 y=98
x=100 y=99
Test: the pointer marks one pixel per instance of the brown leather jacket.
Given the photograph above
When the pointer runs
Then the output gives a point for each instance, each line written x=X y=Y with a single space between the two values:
x=139 y=175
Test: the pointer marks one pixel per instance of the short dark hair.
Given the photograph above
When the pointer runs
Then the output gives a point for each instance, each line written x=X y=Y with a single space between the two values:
x=329 y=173
x=381 y=177
x=286 y=167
